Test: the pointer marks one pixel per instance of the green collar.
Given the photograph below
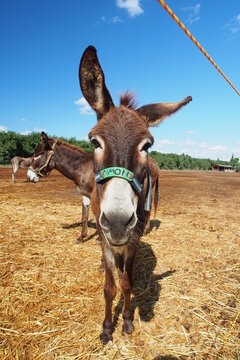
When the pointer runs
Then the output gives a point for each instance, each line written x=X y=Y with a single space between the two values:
x=116 y=171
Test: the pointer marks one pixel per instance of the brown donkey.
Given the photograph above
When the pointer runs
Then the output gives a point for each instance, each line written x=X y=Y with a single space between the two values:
x=77 y=166
x=121 y=139
x=71 y=162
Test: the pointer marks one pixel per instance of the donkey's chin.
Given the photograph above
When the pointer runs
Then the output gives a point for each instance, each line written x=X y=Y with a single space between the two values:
x=116 y=242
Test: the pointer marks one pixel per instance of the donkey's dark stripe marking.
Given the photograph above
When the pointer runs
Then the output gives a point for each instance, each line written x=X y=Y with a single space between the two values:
x=121 y=139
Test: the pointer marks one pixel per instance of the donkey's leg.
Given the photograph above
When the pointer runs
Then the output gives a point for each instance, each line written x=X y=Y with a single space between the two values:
x=126 y=283
x=85 y=211
x=13 y=177
x=100 y=241
x=15 y=167
x=110 y=291
x=147 y=222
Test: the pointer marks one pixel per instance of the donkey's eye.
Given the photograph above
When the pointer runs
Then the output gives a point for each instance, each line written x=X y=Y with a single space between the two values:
x=146 y=146
x=95 y=143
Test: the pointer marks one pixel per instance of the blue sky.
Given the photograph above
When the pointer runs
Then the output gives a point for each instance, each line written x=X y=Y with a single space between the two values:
x=141 y=49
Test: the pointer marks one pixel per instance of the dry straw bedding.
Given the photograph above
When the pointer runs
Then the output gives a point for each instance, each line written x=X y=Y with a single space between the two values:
x=187 y=273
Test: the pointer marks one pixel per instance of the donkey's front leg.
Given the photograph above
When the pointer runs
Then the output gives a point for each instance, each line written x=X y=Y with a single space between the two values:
x=126 y=283
x=110 y=291
x=85 y=211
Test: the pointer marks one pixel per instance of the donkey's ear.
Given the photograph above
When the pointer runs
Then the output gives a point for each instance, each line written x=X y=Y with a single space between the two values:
x=154 y=114
x=92 y=83
x=44 y=138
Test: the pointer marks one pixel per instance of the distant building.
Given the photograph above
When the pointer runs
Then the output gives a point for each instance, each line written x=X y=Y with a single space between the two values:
x=221 y=167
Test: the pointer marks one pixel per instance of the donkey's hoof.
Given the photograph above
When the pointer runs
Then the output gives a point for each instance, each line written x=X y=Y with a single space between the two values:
x=127 y=327
x=105 y=337
x=79 y=240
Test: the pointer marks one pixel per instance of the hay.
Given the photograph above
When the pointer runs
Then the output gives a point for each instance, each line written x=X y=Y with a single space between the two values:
x=187 y=274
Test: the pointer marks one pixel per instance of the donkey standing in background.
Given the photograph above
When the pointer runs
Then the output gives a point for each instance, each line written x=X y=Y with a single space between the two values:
x=71 y=162
x=20 y=162
x=121 y=139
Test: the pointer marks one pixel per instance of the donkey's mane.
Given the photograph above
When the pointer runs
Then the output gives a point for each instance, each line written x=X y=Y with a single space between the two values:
x=70 y=146
x=128 y=99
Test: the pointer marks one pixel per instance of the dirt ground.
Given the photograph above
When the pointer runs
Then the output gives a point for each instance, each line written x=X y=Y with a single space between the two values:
x=186 y=297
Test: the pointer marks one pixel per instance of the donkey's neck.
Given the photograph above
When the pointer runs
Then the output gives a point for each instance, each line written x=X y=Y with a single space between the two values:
x=70 y=162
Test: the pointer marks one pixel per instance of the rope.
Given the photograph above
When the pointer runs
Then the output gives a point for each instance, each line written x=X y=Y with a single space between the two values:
x=187 y=32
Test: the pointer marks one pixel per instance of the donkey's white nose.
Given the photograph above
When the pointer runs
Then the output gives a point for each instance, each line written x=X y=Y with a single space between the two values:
x=32 y=176
x=118 y=210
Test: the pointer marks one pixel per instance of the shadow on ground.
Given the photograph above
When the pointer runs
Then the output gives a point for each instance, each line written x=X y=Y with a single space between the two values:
x=91 y=225
x=154 y=224
x=146 y=289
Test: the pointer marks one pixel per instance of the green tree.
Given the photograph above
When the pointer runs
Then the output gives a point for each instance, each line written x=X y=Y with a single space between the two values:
x=234 y=162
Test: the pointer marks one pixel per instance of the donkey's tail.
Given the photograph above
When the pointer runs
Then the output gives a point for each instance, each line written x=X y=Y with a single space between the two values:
x=156 y=195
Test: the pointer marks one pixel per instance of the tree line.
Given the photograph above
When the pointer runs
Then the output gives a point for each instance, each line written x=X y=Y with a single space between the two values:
x=14 y=144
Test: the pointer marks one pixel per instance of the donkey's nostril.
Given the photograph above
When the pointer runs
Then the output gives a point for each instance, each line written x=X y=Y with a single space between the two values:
x=131 y=222
x=104 y=221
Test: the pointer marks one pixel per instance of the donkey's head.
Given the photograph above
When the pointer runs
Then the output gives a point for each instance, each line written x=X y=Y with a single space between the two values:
x=42 y=162
x=121 y=139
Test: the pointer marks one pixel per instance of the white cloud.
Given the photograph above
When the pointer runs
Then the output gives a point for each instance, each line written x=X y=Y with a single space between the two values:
x=194 y=13
x=165 y=142
x=161 y=144
x=116 y=19
x=190 y=132
x=190 y=142
x=132 y=6
x=3 y=128
x=185 y=151
x=217 y=148
x=102 y=20
x=232 y=28
x=212 y=148
x=196 y=149
x=84 y=107
x=36 y=129
x=27 y=132
x=236 y=152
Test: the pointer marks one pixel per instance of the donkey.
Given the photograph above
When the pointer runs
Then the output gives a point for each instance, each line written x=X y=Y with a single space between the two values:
x=20 y=162
x=121 y=139
x=77 y=166
x=71 y=162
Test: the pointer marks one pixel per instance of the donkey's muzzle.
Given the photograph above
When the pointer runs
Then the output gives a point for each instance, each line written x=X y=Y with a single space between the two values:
x=32 y=176
x=117 y=227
